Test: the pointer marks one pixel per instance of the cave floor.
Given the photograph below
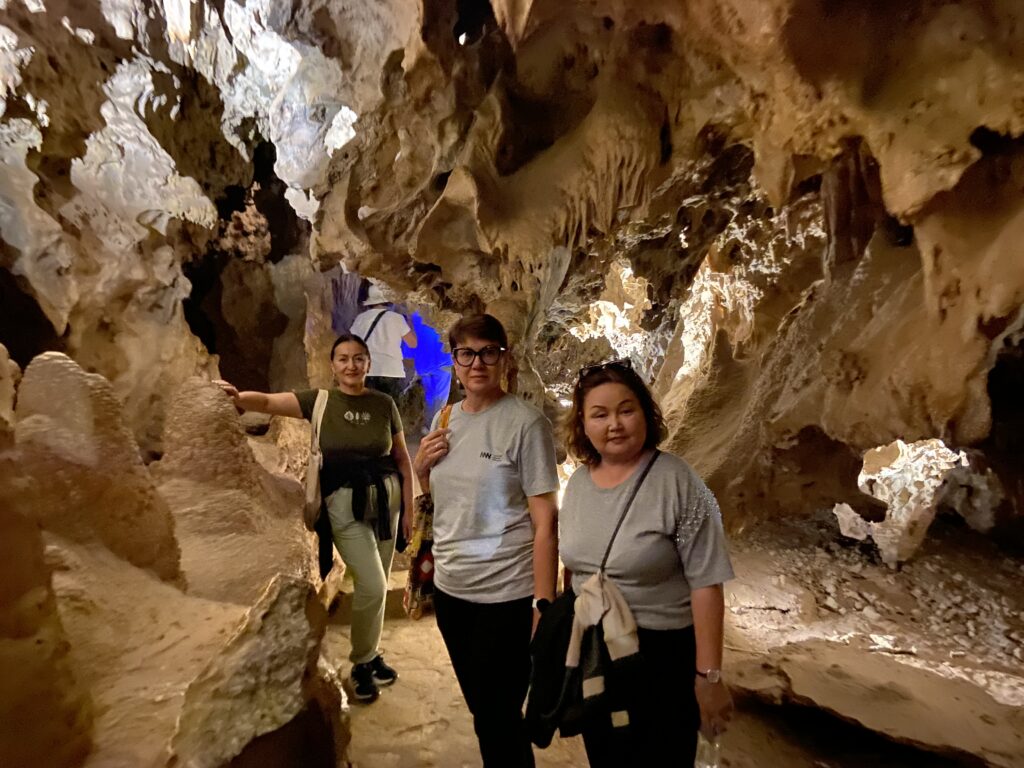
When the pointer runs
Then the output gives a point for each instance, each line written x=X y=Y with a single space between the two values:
x=422 y=721
x=811 y=619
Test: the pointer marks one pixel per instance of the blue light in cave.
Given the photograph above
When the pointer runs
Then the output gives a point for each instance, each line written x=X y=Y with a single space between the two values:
x=433 y=364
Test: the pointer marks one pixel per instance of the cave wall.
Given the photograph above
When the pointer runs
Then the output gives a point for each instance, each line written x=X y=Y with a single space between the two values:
x=849 y=205
x=807 y=189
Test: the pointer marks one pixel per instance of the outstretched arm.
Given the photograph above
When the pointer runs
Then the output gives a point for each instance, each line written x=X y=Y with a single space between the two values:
x=276 y=404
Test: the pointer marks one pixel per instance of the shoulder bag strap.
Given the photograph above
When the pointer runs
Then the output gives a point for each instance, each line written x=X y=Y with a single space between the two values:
x=318 y=416
x=629 y=503
x=373 y=325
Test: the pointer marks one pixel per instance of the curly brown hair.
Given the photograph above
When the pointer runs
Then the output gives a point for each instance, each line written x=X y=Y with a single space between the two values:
x=576 y=440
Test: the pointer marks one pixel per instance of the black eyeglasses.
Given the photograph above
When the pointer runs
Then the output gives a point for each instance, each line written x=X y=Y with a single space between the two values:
x=623 y=364
x=465 y=356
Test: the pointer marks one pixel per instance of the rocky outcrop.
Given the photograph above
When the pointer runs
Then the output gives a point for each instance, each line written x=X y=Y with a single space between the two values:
x=238 y=525
x=928 y=655
x=106 y=660
x=263 y=679
x=10 y=374
x=146 y=679
x=504 y=157
x=76 y=468
x=45 y=714
x=914 y=481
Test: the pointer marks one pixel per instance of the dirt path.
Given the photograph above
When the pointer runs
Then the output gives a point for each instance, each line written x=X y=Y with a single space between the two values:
x=422 y=721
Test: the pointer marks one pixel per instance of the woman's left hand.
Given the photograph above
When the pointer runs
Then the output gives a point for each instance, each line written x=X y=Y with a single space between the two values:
x=716 y=706
x=407 y=525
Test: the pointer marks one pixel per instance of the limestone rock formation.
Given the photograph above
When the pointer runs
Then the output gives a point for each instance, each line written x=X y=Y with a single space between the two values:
x=914 y=481
x=45 y=714
x=96 y=667
x=930 y=654
x=907 y=478
x=140 y=675
x=265 y=676
x=237 y=524
x=10 y=374
x=77 y=470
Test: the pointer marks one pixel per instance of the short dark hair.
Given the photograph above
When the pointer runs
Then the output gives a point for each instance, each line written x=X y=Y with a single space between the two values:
x=577 y=442
x=483 y=327
x=348 y=337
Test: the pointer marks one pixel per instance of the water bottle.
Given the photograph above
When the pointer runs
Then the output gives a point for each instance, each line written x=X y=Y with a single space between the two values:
x=707 y=752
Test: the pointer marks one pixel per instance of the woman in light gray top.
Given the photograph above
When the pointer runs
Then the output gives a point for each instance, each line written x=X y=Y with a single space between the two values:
x=669 y=560
x=493 y=479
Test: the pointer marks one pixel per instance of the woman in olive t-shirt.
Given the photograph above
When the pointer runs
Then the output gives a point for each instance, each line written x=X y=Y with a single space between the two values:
x=366 y=479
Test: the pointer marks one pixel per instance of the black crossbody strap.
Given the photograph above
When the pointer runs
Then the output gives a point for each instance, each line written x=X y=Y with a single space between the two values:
x=629 y=503
x=373 y=325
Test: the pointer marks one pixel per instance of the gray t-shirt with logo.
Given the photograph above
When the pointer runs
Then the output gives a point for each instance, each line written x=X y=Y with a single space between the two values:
x=483 y=535
x=670 y=543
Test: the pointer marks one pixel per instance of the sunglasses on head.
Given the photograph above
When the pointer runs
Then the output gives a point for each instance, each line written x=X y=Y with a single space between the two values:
x=623 y=364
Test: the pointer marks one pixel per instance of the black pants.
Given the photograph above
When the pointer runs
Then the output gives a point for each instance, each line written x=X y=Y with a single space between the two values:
x=489 y=645
x=664 y=720
x=389 y=385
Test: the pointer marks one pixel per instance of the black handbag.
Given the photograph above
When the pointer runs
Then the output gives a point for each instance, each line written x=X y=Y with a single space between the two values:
x=550 y=688
x=555 y=699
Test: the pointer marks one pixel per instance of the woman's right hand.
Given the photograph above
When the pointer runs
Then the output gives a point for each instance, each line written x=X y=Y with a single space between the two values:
x=230 y=390
x=433 y=448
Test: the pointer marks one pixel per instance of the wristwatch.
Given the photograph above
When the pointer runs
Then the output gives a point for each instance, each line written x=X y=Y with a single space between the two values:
x=541 y=603
x=712 y=675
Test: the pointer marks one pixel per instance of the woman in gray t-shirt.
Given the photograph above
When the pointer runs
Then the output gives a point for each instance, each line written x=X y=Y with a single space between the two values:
x=493 y=479
x=669 y=561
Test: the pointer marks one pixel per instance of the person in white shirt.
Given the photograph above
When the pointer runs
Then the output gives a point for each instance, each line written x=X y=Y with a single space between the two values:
x=383 y=330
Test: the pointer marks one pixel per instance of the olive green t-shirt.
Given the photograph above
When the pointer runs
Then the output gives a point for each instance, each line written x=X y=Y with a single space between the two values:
x=355 y=427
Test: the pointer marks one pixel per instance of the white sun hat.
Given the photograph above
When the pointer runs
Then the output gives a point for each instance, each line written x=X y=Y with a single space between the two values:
x=374 y=296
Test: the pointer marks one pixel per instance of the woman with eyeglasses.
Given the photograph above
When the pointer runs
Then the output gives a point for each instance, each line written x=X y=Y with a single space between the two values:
x=669 y=560
x=493 y=480
x=365 y=480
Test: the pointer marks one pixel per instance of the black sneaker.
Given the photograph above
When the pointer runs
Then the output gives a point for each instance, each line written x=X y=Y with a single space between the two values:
x=382 y=673
x=363 y=687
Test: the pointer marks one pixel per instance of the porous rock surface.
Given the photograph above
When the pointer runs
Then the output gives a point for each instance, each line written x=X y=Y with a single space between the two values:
x=107 y=659
x=45 y=713
x=76 y=468
x=238 y=524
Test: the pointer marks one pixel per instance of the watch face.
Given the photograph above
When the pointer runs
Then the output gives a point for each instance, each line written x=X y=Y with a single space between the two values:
x=714 y=675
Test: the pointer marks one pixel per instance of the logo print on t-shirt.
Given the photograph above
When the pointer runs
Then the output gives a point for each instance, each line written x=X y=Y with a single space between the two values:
x=357 y=418
x=491 y=456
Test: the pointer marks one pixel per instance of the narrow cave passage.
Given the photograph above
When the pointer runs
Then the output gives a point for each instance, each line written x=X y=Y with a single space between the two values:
x=1004 y=447
x=24 y=328
x=428 y=365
